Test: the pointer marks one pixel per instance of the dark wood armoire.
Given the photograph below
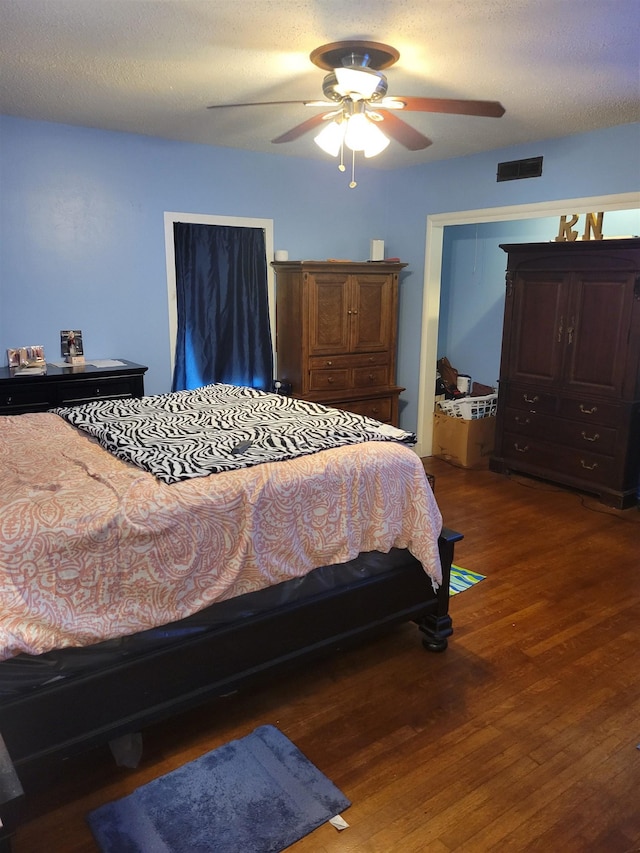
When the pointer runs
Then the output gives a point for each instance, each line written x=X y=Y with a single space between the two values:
x=569 y=391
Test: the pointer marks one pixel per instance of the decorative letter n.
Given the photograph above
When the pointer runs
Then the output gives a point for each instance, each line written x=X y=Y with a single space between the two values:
x=594 y=224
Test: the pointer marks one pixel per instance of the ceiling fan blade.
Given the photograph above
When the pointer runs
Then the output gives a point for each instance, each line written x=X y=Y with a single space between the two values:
x=489 y=109
x=404 y=133
x=300 y=129
x=255 y=104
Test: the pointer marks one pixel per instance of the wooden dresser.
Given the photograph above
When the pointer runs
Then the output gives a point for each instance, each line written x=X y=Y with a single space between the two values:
x=569 y=394
x=337 y=332
x=68 y=386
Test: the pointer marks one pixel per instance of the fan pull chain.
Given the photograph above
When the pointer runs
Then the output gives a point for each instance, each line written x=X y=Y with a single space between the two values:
x=341 y=166
x=353 y=171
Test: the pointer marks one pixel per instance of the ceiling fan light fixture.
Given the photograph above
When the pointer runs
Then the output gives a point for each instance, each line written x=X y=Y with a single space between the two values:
x=331 y=138
x=355 y=136
x=376 y=141
x=357 y=131
x=363 y=135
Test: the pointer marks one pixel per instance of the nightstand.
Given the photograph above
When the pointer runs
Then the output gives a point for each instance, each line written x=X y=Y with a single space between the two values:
x=68 y=386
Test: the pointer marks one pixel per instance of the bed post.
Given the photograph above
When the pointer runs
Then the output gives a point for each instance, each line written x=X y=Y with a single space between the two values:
x=11 y=798
x=437 y=626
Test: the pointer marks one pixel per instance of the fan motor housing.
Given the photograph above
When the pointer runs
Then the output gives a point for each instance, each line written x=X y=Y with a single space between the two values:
x=330 y=87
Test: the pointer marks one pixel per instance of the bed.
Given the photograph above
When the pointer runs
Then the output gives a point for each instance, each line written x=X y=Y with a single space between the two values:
x=158 y=552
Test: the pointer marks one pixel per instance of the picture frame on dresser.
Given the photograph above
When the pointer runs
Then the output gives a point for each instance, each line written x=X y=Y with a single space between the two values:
x=24 y=357
x=13 y=357
x=71 y=345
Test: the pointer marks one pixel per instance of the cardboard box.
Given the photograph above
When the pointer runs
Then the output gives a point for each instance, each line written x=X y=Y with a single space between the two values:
x=467 y=444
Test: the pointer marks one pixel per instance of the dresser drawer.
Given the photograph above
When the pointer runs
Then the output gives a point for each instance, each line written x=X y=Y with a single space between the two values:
x=540 y=457
x=370 y=377
x=379 y=409
x=371 y=359
x=522 y=397
x=84 y=390
x=525 y=423
x=581 y=436
x=330 y=380
x=25 y=397
x=588 y=411
x=343 y=379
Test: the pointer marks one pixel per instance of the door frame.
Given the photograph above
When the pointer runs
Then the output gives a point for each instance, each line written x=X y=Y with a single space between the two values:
x=436 y=223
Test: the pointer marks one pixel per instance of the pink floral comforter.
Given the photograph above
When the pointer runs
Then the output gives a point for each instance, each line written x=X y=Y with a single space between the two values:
x=93 y=548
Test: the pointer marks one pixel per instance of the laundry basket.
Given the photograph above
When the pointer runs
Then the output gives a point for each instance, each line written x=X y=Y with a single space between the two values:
x=470 y=408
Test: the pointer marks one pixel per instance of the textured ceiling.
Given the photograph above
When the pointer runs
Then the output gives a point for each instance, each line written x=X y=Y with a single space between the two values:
x=153 y=66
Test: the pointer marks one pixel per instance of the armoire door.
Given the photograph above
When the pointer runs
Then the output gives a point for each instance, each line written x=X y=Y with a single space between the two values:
x=372 y=319
x=329 y=313
x=597 y=332
x=537 y=328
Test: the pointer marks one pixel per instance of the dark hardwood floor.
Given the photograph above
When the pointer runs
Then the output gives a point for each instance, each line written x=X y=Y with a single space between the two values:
x=522 y=736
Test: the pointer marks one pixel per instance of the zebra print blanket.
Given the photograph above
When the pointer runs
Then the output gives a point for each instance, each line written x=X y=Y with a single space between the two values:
x=218 y=428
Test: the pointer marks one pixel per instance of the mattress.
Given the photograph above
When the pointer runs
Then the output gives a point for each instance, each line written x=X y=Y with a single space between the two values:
x=24 y=672
x=93 y=548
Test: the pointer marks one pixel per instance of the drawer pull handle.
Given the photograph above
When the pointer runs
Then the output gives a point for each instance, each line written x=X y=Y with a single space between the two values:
x=588 y=467
x=329 y=363
x=589 y=437
x=533 y=399
x=591 y=411
x=520 y=420
x=524 y=449
x=371 y=377
x=329 y=380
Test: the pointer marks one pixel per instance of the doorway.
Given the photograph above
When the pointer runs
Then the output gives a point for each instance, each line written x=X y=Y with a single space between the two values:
x=436 y=224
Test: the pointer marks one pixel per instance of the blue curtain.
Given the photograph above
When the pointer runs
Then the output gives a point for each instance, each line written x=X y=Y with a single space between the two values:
x=223 y=332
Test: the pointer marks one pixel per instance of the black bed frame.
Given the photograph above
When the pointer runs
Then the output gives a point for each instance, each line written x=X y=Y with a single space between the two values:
x=41 y=727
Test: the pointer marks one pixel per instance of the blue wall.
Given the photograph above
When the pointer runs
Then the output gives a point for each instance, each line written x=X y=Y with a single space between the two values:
x=82 y=231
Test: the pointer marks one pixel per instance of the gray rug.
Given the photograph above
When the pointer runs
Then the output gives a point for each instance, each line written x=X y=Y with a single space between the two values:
x=258 y=794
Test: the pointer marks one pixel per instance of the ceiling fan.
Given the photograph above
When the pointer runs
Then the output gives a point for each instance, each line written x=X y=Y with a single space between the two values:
x=356 y=94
